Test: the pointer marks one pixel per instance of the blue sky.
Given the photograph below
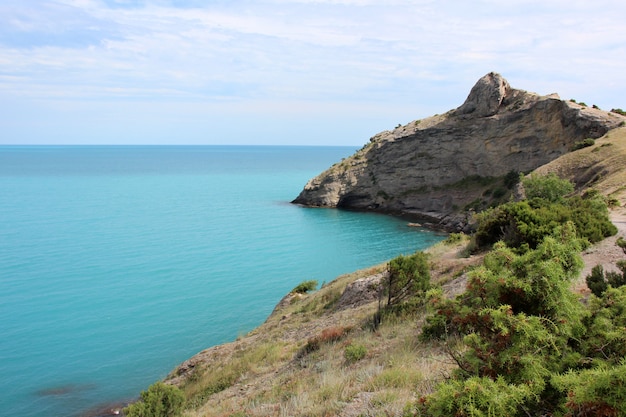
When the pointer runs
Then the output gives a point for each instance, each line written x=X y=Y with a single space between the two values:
x=296 y=72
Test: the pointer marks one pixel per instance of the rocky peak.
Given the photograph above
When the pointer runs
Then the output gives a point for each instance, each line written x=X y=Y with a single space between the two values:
x=486 y=96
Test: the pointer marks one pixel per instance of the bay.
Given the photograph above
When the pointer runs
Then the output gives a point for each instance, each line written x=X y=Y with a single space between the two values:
x=119 y=262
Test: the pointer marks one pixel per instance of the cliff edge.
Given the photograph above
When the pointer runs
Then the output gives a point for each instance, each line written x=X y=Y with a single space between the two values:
x=443 y=167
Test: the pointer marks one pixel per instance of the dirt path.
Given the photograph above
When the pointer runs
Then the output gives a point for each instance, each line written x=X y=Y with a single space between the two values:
x=605 y=253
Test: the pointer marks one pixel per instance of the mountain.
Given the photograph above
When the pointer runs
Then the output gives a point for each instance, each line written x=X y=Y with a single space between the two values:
x=443 y=167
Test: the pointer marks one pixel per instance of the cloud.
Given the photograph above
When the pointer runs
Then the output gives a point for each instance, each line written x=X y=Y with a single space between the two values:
x=404 y=56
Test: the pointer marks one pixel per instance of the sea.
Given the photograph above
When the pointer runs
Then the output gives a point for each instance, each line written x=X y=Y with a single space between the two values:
x=117 y=263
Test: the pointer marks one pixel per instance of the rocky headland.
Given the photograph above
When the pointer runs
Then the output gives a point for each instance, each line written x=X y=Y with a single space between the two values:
x=440 y=168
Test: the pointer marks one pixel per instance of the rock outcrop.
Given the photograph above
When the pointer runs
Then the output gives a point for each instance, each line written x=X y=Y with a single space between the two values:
x=437 y=168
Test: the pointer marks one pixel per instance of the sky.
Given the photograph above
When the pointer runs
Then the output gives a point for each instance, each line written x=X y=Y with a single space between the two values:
x=286 y=72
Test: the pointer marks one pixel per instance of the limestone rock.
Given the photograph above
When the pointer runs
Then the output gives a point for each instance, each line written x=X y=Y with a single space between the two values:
x=429 y=168
x=486 y=96
x=360 y=292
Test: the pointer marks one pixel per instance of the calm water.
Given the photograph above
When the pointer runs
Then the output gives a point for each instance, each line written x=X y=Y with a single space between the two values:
x=118 y=263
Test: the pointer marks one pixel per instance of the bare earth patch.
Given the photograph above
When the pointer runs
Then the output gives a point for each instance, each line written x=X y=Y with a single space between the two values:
x=605 y=253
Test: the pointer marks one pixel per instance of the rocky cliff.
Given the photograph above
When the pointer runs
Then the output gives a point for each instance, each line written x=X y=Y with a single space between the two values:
x=444 y=166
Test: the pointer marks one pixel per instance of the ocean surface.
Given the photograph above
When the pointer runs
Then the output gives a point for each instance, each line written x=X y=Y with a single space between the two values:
x=119 y=262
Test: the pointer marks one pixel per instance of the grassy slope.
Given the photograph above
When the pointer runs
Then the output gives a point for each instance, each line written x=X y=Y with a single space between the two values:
x=601 y=166
x=265 y=372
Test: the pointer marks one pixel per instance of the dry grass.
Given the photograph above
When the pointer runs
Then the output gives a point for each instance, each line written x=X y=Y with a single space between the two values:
x=295 y=364
x=600 y=166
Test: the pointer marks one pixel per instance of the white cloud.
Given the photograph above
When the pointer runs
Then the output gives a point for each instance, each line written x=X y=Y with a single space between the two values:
x=409 y=56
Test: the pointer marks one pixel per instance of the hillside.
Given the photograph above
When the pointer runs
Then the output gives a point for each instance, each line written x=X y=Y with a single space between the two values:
x=296 y=363
x=270 y=371
x=439 y=167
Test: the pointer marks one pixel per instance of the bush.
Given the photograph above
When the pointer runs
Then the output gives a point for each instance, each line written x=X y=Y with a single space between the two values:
x=519 y=322
x=595 y=281
x=354 y=353
x=549 y=187
x=619 y=111
x=327 y=336
x=160 y=400
x=595 y=392
x=408 y=276
x=526 y=223
x=499 y=192
x=599 y=281
x=621 y=242
x=511 y=179
x=305 y=286
x=454 y=238
x=583 y=144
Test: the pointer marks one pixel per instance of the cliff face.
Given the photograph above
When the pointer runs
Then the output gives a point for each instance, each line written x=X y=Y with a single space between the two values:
x=427 y=167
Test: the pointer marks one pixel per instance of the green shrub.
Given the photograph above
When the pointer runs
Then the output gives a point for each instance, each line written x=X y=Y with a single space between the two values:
x=548 y=187
x=595 y=281
x=354 y=352
x=526 y=223
x=605 y=340
x=499 y=192
x=511 y=179
x=621 y=242
x=615 y=279
x=408 y=276
x=476 y=397
x=519 y=322
x=454 y=238
x=583 y=144
x=160 y=400
x=305 y=286
x=595 y=392
x=619 y=111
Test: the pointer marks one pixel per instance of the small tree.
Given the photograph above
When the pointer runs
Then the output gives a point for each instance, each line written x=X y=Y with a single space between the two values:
x=408 y=276
x=595 y=281
x=160 y=400
x=598 y=281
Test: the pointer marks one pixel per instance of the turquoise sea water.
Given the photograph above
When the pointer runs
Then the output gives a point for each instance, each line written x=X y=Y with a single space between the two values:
x=118 y=263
